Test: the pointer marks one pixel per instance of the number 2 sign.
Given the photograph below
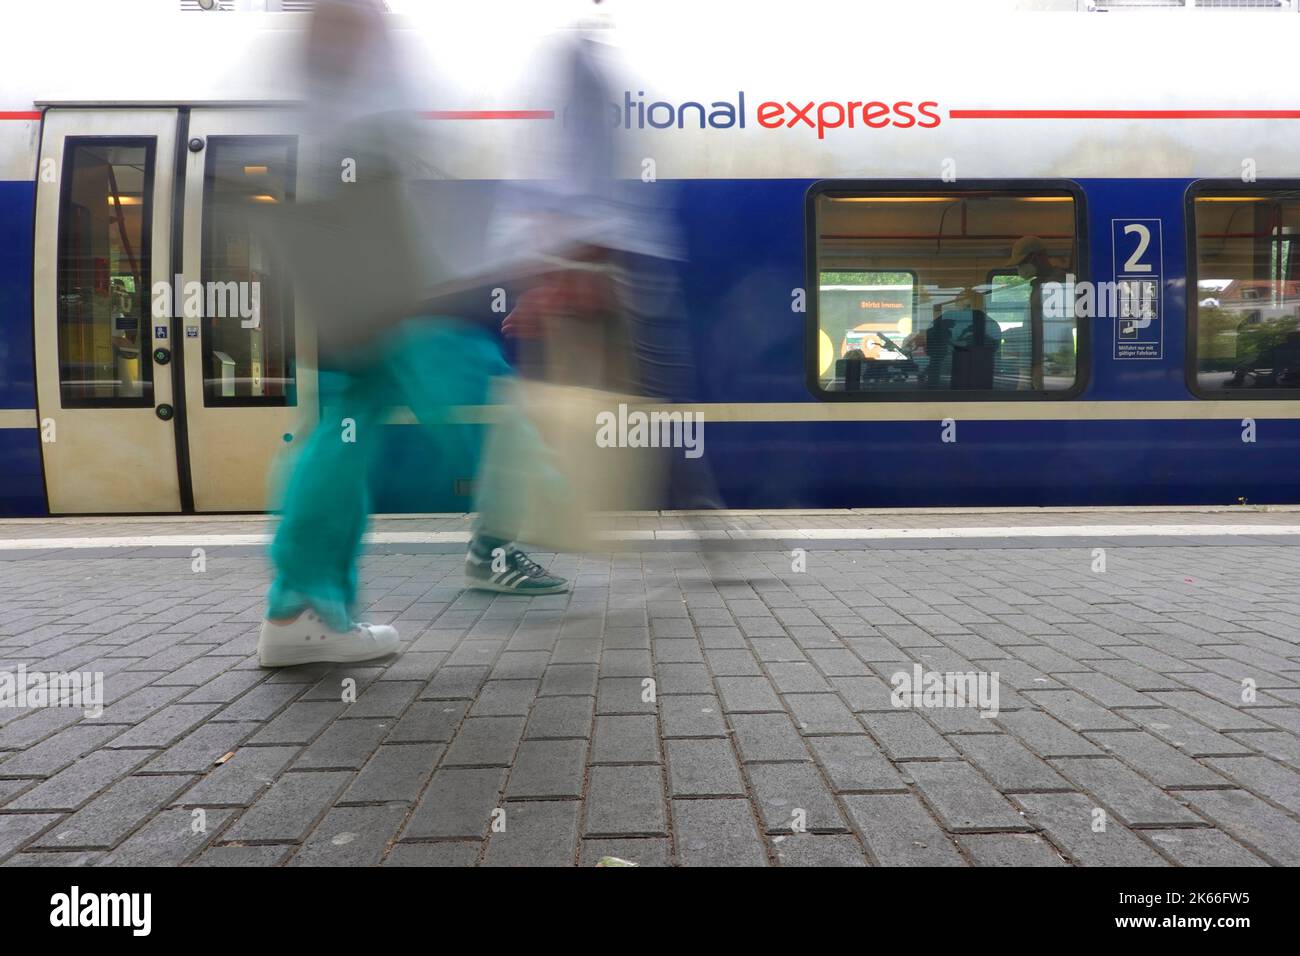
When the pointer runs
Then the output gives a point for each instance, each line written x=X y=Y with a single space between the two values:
x=1138 y=259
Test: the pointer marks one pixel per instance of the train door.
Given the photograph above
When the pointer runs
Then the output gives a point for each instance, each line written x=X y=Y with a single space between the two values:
x=248 y=359
x=103 y=237
x=172 y=366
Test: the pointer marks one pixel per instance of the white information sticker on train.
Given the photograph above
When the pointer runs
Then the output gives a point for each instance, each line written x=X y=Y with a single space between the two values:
x=1138 y=260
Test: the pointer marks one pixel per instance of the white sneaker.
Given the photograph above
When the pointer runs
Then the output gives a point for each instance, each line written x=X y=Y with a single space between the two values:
x=309 y=640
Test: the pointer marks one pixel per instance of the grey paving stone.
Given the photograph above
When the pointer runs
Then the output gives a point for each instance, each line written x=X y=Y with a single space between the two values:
x=898 y=831
x=17 y=829
x=459 y=802
x=1068 y=819
x=818 y=849
x=793 y=797
x=767 y=737
x=1008 y=763
x=822 y=714
x=574 y=680
x=717 y=833
x=1076 y=711
x=644 y=852
x=485 y=742
x=53 y=858
x=1045 y=735
x=299 y=723
x=1277 y=744
x=344 y=745
x=733 y=663
x=625 y=801
x=446 y=854
x=113 y=814
x=57 y=751
x=1214 y=714
x=169 y=839
x=703 y=768
x=1201 y=847
x=1266 y=830
x=624 y=695
x=1156 y=760
x=547 y=768
x=429 y=721
x=855 y=764
x=197 y=751
x=683 y=679
x=1263 y=777
x=1009 y=849
x=1186 y=734
x=396 y=773
x=455 y=682
x=238 y=781
x=73 y=786
x=906 y=735
x=560 y=717
x=351 y=836
x=626 y=739
x=258 y=856
x=384 y=698
x=505 y=698
x=964 y=801
x=260 y=703
x=290 y=808
x=540 y=833
x=692 y=716
x=747 y=695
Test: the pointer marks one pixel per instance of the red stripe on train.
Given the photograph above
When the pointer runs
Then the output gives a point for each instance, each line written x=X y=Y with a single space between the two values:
x=1124 y=114
x=488 y=114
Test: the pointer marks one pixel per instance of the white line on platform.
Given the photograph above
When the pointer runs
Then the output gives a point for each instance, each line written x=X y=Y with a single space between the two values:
x=764 y=534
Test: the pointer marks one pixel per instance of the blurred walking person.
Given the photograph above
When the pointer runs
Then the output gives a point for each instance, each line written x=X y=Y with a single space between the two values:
x=361 y=258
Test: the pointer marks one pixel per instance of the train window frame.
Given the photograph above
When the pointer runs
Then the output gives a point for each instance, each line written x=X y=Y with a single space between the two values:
x=888 y=187
x=147 y=397
x=290 y=398
x=1191 y=350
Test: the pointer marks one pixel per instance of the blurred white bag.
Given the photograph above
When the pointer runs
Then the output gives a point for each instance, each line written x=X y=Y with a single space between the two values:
x=556 y=494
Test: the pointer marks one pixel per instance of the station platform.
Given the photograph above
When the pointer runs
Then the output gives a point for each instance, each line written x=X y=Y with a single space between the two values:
x=718 y=688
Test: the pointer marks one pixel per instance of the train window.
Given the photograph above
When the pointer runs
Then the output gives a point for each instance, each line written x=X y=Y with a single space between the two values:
x=248 y=346
x=104 y=273
x=1245 y=314
x=926 y=291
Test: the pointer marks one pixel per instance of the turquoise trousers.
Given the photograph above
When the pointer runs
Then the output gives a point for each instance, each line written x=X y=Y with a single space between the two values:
x=430 y=366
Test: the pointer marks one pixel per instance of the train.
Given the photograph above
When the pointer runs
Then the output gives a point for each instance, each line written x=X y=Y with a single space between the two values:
x=857 y=189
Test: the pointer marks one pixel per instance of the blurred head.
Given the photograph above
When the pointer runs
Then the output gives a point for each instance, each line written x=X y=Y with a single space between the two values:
x=347 y=56
x=1029 y=256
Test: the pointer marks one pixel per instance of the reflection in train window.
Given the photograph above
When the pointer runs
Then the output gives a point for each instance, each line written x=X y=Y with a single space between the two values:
x=248 y=348
x=104 y=272
x=1247 y=304
x=953 y=290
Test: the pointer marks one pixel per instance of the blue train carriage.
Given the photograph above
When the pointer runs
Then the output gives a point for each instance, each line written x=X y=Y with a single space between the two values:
x=915 y=275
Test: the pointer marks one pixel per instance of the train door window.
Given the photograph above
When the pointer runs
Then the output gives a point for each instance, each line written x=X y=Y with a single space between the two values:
x=976 y=283
x=104 y=273
x=247 y=336
x=1245 y=313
